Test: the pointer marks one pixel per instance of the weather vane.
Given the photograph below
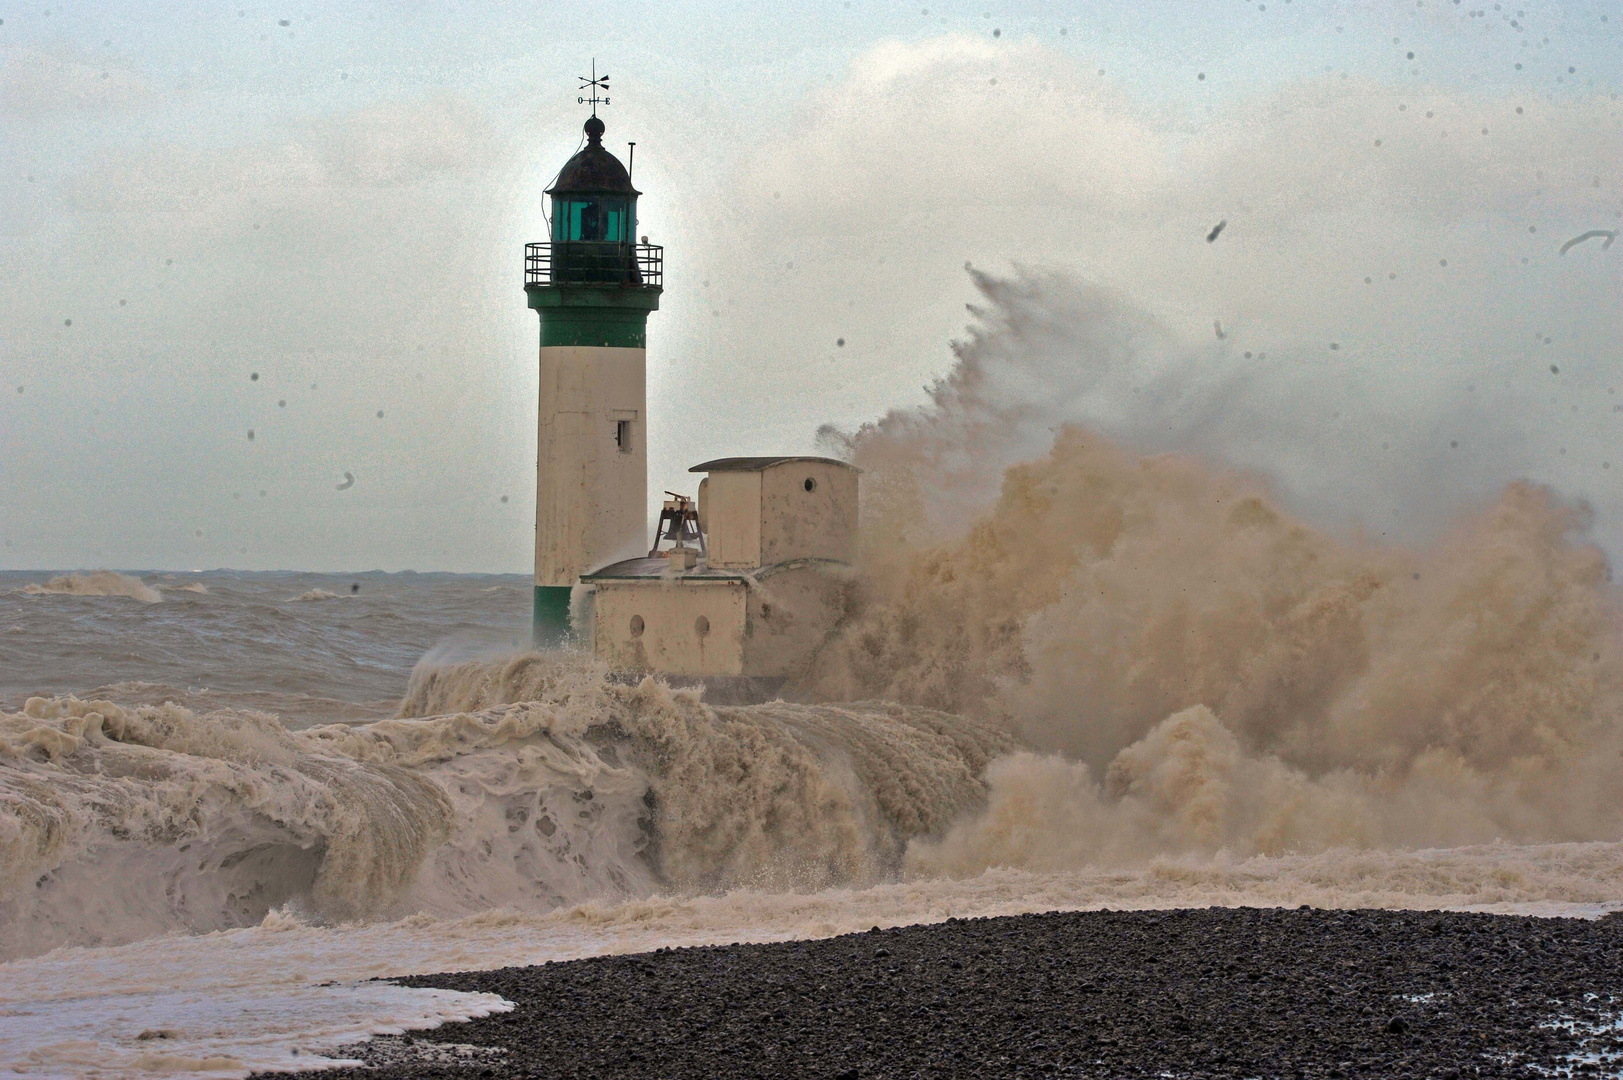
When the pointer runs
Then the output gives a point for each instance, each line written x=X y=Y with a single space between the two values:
x=595 y=83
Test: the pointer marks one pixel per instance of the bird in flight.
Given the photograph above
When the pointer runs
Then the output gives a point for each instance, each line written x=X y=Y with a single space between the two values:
x=349 y=482
x=1215 y=230
x=1590 y=235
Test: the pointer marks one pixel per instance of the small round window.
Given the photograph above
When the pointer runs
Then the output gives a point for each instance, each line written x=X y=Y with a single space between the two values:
x=701 y=626
x=811 y=484
x=636 y=626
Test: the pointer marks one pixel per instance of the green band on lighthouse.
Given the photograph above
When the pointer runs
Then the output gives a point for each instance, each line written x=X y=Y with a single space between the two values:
x=607 y=317
x=549 y=616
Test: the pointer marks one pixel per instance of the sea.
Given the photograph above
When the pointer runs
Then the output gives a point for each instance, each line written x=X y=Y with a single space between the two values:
x=231 y=802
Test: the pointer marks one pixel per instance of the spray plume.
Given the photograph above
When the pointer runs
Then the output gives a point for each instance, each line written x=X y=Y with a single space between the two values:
x=1197 y=668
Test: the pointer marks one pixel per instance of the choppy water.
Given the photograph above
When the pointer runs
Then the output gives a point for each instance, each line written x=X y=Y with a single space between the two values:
x=235 y=798
x=306 y=646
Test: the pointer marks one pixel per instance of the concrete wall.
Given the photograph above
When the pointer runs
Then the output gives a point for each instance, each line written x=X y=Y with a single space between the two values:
x=801 y=524
x=769 y=627
x=669 y=640
x=591 y=499
x=760 y=518
x=790 y=614
x=732 y=512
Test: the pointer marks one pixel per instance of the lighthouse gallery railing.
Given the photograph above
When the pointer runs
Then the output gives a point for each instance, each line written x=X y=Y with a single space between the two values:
x=582 y=262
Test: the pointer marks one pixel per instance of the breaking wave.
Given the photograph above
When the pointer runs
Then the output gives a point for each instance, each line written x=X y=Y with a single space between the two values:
x=118 y=824
x=97 y=583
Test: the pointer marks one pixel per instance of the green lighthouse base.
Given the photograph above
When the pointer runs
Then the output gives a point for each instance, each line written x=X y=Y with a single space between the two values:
x=549 y=617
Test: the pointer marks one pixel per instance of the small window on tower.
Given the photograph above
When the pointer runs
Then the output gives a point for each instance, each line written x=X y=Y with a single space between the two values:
x=622 y=435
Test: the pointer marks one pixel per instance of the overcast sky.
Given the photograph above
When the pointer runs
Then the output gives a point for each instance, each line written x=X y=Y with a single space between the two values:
x=334 y=198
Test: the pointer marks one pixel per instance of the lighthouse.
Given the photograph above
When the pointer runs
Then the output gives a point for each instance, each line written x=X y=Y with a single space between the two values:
x=593 y=286
x=741 y=584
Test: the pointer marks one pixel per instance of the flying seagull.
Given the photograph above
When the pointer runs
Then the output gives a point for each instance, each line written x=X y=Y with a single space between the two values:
x=1215 y=230
x=1590 y=235
x=349 y=482
x=1217 y=324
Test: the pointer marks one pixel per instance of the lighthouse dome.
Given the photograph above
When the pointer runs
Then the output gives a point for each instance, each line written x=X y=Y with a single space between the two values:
x=594 y=170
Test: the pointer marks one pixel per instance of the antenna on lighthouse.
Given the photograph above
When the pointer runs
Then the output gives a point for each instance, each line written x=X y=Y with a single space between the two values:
x=594 y=83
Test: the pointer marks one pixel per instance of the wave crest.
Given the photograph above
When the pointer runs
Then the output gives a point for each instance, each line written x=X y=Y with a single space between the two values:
x=117 y=823
x=96 y=583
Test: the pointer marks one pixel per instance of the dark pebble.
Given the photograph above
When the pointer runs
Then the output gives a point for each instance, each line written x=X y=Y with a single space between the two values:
x=1223 y=993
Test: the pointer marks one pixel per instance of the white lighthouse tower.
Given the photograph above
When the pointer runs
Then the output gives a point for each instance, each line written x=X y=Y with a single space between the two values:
x=593 y=286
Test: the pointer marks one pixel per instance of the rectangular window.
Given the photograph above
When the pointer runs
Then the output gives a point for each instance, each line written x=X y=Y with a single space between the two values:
x=622 y=435
x=591 y=220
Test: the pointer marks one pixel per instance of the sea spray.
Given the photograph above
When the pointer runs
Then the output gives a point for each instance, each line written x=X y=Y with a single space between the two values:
x=1193 y=667
x=1233 y=678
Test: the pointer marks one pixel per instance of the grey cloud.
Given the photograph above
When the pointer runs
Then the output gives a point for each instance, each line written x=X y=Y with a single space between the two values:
x=36 y=83
x=388 y=147
x=1384 y=405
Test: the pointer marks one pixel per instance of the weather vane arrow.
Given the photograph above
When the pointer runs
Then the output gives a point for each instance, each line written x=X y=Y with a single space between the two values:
x=594 y=84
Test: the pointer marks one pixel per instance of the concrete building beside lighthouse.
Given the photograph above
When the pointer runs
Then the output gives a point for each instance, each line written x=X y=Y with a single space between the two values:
x=747 y=579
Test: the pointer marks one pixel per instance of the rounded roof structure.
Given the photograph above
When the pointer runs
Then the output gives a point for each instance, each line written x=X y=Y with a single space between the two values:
x=757 y=464
x=593 y=171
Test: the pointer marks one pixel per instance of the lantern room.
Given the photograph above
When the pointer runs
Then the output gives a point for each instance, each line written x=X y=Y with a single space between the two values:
x=592 y=199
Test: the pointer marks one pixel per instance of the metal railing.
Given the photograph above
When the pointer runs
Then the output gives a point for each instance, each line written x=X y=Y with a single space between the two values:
x=581 y=262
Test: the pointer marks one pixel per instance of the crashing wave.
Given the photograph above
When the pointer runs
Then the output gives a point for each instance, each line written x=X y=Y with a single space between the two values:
x=96 y=583
x=120 y=823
